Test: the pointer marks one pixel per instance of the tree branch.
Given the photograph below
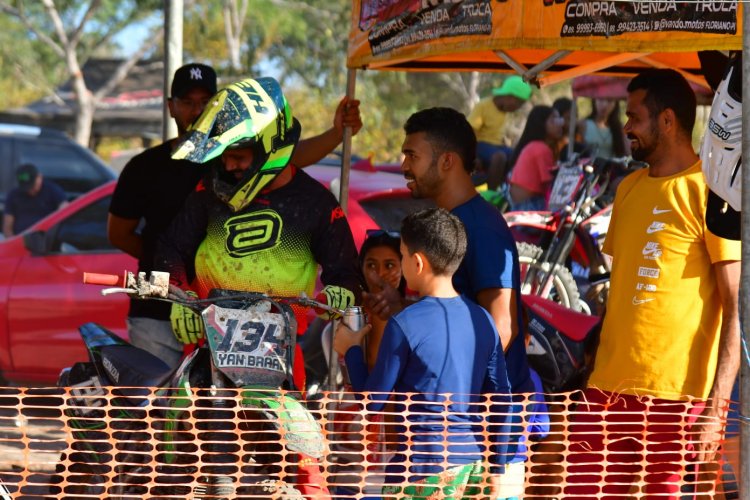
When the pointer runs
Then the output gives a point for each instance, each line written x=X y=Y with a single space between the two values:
x=49 y=6
x=114 y=29
x=21 y=16
x=287 y=4
x=122 y=70
x=75 y=37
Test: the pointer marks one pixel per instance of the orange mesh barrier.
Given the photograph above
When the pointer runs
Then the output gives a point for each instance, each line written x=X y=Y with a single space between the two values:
x=227 y=443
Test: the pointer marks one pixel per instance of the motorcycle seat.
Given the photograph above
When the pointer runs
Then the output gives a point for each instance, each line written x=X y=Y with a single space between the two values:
x=129 y=366
x=573 y=324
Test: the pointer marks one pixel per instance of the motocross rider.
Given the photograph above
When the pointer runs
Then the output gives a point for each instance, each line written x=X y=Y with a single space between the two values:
x=255 y=222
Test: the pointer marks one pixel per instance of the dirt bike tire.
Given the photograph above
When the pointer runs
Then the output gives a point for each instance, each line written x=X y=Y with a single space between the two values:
x=259 y=462
x=564 y=289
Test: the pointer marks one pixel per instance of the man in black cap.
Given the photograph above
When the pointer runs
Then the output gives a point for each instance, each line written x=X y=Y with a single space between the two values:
x=32 y=200
x=153 y=187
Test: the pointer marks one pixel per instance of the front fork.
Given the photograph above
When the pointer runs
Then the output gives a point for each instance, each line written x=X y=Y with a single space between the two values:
x=556 y=248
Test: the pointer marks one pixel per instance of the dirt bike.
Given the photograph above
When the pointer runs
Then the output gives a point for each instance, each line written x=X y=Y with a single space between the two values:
x=222 y=423
x=564 y=242
x=561 y=343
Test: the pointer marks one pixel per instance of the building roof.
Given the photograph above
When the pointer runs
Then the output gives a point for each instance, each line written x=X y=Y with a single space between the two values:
x=132 y=109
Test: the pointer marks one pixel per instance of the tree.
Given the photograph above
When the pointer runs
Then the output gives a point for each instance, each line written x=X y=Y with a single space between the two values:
x=304 y=45
x=26 y=66
x=234 y=22
x=73 y=30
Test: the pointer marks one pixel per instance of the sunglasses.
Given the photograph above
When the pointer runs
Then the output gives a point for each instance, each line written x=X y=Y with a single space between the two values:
x=374 y=233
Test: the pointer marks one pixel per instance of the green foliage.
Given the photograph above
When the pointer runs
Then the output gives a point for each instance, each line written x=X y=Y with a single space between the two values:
x=203 y=35
x=303 y=43
x=31 y=68
x=27 y=66
x=105 y=19
x=313 y=40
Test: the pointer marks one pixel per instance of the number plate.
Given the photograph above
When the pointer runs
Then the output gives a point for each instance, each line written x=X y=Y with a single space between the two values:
x=250 y=347
x=566 y=184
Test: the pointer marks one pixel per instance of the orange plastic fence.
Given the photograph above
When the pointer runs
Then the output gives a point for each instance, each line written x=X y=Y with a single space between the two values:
x=221 y=443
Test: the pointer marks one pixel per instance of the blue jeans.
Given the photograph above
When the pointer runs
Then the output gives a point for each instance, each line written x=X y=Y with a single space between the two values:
x=485 y=151
x=533 y=204
x=156 y=337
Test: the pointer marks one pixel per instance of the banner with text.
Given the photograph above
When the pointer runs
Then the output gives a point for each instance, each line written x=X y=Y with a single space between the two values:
x=393 y=30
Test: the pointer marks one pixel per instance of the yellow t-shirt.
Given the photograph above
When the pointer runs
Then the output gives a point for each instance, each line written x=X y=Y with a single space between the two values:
x=488 y=122
x=661 y=331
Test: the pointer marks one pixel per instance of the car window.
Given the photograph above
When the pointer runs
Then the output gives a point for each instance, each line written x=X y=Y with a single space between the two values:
x=63 y=163
x=389 y=211
x=84 y=231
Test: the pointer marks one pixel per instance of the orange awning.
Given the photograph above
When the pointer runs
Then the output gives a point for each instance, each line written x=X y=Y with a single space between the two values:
x=544 y=43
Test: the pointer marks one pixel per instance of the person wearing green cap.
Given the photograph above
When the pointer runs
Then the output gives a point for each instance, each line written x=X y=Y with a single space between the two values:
x=488 y=119
x=33 y=199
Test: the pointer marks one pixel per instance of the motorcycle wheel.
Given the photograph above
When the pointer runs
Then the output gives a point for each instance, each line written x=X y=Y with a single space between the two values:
x=562 y=287
x=251 y=448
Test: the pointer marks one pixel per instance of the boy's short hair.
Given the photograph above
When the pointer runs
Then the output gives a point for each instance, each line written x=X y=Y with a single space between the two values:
x=439 y=235
x=447 y=130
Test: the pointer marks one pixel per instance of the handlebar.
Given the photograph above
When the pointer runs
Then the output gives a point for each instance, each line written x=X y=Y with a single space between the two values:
x=600 y=163
x=103 y=279
x=596 y=174
x=624 y=162
x=157 y=286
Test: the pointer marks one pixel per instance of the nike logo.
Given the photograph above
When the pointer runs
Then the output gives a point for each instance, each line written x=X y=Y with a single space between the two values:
x=637 y=301
x=655 y=227
x=656 y=211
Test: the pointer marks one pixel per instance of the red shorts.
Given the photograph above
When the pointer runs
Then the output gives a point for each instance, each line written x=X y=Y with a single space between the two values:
x=619 y=442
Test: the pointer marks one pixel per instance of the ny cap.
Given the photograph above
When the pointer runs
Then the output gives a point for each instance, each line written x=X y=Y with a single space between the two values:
x=191 y=76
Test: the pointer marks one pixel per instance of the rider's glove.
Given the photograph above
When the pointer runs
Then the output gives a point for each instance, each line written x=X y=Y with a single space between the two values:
x=335 y=296
x=187 y=325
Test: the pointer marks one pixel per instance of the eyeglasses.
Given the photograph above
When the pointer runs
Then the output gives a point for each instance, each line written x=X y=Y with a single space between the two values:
x=374 y=233
x=191 y=103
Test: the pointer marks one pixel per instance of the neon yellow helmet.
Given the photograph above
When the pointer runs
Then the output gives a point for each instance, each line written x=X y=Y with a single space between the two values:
x=252 y=113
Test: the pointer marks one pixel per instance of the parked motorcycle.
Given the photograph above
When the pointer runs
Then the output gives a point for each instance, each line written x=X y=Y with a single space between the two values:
x=564 y=242
x=222 y=423
x=561 y=343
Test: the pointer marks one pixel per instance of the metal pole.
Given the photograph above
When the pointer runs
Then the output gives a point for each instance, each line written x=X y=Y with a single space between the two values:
x=173 y=10
x=745 y=274
x=572 y=126
x=351 y=83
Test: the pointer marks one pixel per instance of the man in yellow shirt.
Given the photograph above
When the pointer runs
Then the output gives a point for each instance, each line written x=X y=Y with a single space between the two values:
x=670 y=341
x=488 y=119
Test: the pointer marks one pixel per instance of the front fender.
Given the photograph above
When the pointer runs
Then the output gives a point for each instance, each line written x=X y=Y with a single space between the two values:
x=538 y=220
x=302 y=433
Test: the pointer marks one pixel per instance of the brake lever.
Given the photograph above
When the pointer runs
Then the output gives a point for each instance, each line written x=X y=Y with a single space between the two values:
x=308 y=302
x=111 y=291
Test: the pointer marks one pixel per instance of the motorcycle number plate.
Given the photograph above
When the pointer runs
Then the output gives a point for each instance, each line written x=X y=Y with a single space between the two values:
x=565 y=186
x=250 y=347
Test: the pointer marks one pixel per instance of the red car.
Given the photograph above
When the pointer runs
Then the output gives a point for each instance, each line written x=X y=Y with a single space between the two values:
x=376 y=199
x=43 y=300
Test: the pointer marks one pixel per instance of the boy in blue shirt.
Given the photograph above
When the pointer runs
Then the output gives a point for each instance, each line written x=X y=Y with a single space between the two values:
x=443 y=347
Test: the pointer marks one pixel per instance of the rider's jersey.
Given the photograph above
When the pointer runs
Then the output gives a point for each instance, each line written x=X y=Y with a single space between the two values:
x=273 y=246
